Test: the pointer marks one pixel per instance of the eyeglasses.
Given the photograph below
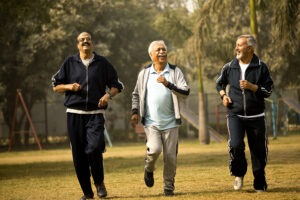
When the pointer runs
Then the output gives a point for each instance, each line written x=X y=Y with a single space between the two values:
x=83 y=39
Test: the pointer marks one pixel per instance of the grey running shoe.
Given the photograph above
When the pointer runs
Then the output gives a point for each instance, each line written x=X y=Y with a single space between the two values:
x=169 y=192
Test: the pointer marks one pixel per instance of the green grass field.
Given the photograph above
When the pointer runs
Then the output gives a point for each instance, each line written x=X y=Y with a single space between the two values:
x=202 y=173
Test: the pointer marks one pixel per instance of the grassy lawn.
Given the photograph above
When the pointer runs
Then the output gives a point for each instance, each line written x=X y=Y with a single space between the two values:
x=202 y=173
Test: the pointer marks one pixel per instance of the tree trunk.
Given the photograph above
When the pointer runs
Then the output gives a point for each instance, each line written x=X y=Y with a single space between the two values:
x=203 y=133
x=253 y=24
x=203 y=122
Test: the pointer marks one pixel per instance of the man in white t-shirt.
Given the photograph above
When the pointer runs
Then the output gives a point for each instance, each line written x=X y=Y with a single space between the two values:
x=250 y=82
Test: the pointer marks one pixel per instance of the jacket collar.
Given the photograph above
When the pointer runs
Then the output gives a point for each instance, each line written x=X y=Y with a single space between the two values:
x=166 y=69
x=255 y=62
x=170 y=65
x=78 y=59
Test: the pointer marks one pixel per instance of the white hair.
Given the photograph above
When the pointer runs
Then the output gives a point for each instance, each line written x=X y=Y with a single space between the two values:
x=152 y=44
x=250 y=39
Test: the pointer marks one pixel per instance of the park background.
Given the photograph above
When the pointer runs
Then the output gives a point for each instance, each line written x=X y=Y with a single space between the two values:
x=36 y=37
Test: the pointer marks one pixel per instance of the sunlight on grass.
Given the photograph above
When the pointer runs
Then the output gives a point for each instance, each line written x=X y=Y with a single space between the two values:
x=202 y=173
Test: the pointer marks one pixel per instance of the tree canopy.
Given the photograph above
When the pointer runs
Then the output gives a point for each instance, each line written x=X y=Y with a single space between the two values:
x=36 y=36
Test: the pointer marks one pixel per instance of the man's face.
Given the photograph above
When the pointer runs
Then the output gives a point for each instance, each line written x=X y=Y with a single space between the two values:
x=241 y=48
x=159 y=53
x=84 y=43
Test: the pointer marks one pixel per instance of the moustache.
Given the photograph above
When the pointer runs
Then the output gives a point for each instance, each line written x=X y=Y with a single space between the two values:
x=85 y=44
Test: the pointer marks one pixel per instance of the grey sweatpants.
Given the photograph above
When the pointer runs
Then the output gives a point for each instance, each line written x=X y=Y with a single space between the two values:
x=166 y=141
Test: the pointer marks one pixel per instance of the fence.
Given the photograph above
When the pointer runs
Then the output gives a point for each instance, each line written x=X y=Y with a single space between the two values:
x=49 y=117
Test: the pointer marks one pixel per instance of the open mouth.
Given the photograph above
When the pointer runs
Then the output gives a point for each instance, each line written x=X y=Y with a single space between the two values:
x=86 y=44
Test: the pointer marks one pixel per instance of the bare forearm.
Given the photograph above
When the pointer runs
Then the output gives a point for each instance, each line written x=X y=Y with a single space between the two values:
x=67 y=87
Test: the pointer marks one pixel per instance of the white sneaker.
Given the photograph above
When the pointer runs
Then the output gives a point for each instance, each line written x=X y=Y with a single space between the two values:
x=238 y=183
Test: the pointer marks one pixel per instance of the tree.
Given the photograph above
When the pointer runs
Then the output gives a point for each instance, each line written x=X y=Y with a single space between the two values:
x=253 y=23
x=22 y=48
x=121 y=31
x=277 y=47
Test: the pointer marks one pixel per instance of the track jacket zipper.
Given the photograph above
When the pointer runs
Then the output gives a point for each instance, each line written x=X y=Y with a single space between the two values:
x=243 y=93
x=87 y=86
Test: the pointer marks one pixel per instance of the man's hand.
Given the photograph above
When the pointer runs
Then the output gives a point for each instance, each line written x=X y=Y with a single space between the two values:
x=134 y=120
x=75 y=87
x=103 y=101
x=226 y=100
x=163 y=80
x=246 y=85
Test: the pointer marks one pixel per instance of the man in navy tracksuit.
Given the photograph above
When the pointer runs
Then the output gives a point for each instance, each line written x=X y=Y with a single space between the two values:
x=250 y=82
x=84 y=78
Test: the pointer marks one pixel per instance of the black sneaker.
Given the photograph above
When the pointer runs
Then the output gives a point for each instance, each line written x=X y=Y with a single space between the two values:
x=260 y=184
x=169 y=192
x=101 y=190
x=148 y=178
x=261 y=189
x=87 y=196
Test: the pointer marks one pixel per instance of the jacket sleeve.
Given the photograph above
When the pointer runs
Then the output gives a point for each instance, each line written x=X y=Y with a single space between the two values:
x=60 y=77
x=135 y=101
x=222 y=81
x=180 y=87
x=266 y=84
x=112 y=77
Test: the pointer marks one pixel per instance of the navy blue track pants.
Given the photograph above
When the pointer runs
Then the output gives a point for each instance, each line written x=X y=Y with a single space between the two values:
x=86 y=133
x=255 y=128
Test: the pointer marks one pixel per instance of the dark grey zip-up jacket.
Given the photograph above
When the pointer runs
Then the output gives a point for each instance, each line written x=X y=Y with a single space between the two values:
x=93 y=81
x=177 y=84
x=249 y=103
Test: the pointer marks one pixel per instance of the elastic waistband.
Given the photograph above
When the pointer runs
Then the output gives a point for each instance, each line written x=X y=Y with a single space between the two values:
x=85 y=112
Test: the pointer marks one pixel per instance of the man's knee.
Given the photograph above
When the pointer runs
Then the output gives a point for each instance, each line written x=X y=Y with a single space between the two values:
x=154 y=150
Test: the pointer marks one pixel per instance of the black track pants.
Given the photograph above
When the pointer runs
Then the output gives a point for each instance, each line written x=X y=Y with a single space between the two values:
x=255 y=128
x=86 y=133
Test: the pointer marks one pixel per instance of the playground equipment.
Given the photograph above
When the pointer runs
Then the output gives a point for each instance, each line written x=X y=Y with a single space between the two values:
x=13 y=131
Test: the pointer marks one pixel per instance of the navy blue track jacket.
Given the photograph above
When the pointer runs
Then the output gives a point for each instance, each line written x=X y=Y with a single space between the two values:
x=249 y=103
x=93 y=81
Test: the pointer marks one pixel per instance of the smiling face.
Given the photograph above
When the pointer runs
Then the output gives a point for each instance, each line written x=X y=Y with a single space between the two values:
x=242 y=49
x=158 y=53
x=84 y=43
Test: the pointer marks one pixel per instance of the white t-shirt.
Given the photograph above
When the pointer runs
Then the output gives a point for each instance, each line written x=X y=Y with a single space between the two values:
x=243 y=70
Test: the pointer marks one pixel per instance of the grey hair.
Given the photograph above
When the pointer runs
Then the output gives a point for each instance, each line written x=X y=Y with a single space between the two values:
x=154 y=43
x=251 y=41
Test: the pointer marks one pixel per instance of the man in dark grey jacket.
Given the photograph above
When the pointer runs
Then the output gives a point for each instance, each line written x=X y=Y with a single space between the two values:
x=250 y=82
x=155 y=99
x=84 y=78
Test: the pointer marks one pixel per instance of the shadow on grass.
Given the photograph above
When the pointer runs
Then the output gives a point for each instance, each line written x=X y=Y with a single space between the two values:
x=40 y=169
x=34 y=147
x=112 y=164
x=201 y=193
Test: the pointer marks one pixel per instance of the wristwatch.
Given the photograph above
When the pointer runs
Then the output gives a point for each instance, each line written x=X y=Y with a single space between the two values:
x=109 y=94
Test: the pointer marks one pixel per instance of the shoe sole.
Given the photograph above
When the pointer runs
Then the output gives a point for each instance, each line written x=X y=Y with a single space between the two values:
x=102 y=196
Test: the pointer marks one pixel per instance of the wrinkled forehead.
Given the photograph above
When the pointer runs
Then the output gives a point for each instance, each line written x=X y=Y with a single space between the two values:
x=158 y=46
x=241 y=40
x=83 y=35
